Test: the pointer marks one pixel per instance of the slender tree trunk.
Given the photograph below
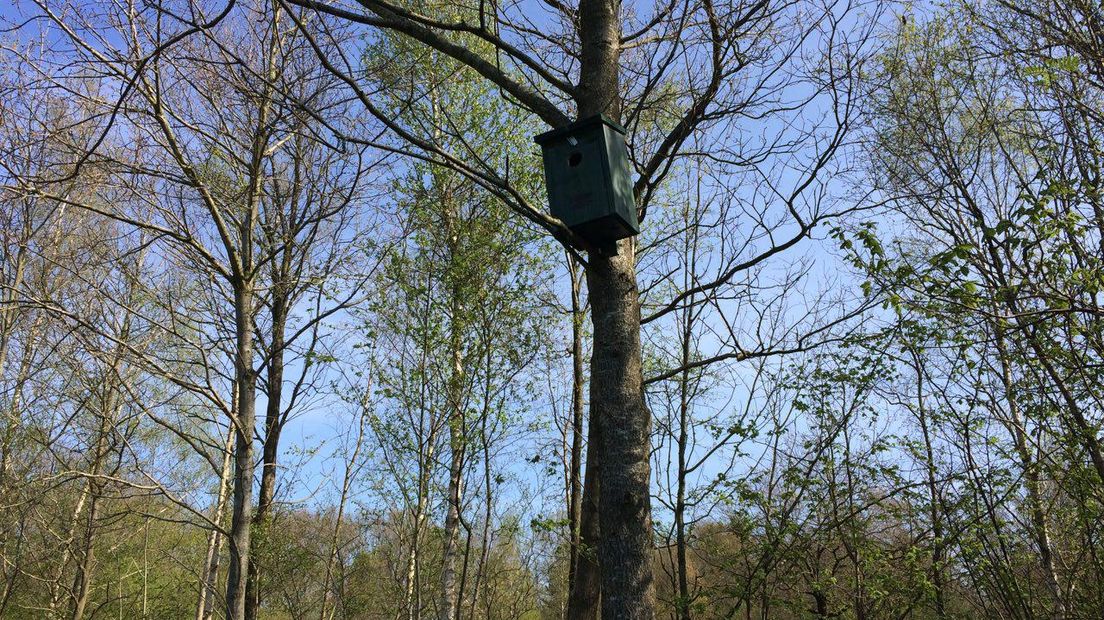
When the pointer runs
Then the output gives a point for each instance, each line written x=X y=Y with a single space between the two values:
x=690 y=252
x=450 y=594
x=63 y=561
x=482 y=583
x=82 y=580
x=413 y=559
x=8 y=295
x=683 y=607
x=426 y=461
x=585 y=597
x=335 y=537
x=110 y=408
x=1006 y=590
x=90 y=496
x=575 y=478
x=413 y=610
x=1036 y=513
x=938 y=544
x=208 y=578
x=852 y=540
x=451 y=554
x=245 y=419
x=585 y=593
x=270 y=449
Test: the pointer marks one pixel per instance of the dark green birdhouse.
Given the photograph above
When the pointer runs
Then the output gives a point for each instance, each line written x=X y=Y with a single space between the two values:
x=589 y=179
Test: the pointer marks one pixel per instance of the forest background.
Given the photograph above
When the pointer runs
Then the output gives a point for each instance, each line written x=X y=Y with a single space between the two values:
x=286 y=330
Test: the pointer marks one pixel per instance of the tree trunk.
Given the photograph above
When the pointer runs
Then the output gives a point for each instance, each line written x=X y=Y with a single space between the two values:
x=335 y=538
x=208 y=578
x=575 y=463
x=271 y=448
x=108 y=413
x=450 y=594
x=585 y=597
x=624 y=469
x=242 y=520
x=820 y=601
x=425 y=470
x=616 y=382
x=82 y=581
x=683 y=607
x=1036 y=513
x=690 y=255
x=482 y=577
x=55 y=587
x=938 y=544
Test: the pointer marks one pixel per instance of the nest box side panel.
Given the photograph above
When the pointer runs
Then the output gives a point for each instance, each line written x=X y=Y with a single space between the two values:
x=622 y=199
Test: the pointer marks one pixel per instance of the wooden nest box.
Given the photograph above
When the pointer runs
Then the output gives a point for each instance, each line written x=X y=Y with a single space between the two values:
x=589 y=179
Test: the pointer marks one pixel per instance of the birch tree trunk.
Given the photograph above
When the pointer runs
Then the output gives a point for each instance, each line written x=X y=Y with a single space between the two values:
x=450 y=594
x=208 y=579
x=1036 y=512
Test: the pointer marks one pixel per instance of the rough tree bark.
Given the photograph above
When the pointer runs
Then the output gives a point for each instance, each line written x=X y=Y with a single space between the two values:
x=616 y=384
x=624 y=470
x=241 y=523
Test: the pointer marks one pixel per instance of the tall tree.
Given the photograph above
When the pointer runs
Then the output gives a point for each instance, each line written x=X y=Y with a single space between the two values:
x=577 y=62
